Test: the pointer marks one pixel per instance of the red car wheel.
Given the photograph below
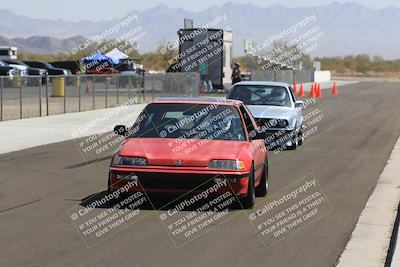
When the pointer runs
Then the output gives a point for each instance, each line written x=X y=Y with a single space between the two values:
x=262 y=188
x=248 y=201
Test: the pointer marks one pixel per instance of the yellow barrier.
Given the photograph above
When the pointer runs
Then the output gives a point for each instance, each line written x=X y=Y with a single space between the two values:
x=16 y=82
x=58 y=86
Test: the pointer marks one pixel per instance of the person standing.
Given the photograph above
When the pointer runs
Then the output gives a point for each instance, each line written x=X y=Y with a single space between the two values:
x=207 y=84
x=236 y=75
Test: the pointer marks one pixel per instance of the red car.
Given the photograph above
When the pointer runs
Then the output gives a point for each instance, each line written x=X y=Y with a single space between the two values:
x=108 y=70
x=178 y=144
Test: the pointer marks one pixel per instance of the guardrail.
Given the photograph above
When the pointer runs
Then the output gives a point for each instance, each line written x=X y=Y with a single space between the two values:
x=35 y=96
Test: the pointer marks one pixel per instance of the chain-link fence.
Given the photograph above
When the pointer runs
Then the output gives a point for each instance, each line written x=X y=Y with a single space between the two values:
x=172 y=84
x=35 y=96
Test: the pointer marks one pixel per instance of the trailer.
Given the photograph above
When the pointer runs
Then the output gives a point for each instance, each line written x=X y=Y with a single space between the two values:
x=206 y=51
x=8 y=53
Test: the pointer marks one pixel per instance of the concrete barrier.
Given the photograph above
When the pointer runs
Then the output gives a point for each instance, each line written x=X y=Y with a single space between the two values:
x=322 y=76
x=289 y=76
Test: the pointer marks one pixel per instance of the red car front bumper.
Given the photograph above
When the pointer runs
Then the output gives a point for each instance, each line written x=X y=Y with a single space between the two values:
x=178 y=180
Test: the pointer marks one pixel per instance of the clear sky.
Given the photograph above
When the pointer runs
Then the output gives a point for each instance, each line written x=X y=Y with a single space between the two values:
x=76 y=10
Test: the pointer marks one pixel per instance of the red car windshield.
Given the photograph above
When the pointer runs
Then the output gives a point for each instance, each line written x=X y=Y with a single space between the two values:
x=189 y=121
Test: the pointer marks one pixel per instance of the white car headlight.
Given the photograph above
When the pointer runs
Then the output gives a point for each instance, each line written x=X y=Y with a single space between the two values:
x=227 y=164
x=282 y=123
x=129 y=161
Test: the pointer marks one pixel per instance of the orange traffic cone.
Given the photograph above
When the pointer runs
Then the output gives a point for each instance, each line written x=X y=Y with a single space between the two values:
x=334 y=89
x=312 y=92
x=294 y=87
x=319 y=93
x=301 y=93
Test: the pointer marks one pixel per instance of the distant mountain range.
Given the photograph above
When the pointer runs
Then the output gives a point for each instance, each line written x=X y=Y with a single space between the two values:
x=348 y=28
x=43 y=44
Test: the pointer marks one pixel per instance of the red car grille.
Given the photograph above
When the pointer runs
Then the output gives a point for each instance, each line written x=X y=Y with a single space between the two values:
x=175 y=180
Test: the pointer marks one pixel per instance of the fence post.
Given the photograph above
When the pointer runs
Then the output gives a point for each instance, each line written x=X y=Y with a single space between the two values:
x=143 y=88
x=152 y=86
x=1 y=98
x=47 y=93
x=20 y=99
x=118 y=95
x=108 y=82
x=129 y=87
x=40 y=95
x=93 y=93
x=79 y=94
x=65 y=97
x=294 y=76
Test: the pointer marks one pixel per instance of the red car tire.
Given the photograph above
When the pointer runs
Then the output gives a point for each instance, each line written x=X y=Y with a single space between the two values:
x=262 y=188
x=249 y=200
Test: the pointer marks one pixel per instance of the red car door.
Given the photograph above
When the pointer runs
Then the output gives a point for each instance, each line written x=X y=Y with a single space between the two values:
x=258 y=145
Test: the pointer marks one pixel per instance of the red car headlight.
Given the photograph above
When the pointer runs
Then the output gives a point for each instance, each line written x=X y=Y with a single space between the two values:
x=129 y=161
x=227 y=164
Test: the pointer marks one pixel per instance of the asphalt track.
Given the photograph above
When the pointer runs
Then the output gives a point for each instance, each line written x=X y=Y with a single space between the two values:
x=39 y=185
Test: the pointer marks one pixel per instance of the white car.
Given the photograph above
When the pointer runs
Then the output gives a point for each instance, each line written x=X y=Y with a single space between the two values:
x=276 y=110
x=21 y=70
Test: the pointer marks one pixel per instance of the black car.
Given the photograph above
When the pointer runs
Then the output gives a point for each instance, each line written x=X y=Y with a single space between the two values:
x=50 y=69
x=72 y=66
x=7 y=71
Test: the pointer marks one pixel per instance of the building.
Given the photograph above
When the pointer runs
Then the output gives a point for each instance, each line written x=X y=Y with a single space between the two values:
x=8 y=52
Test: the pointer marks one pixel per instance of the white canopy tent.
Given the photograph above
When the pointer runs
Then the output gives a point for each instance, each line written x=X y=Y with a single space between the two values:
x=116 y=55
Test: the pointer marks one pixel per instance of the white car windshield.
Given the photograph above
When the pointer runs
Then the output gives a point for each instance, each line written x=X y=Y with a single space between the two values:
x=261 y=95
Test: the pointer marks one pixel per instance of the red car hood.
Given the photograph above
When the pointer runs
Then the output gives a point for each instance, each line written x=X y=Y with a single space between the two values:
x=191 y=152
